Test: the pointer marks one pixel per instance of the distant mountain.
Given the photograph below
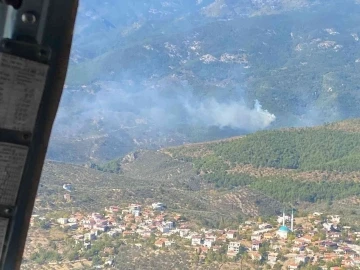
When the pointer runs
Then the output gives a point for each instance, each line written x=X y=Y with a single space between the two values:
x=101 y=27
x=159 y=73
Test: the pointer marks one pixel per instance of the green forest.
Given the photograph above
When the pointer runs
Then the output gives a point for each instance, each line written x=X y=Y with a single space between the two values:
x=333 y=147
x=112 y=166
x=288 y=190
x=303 y=149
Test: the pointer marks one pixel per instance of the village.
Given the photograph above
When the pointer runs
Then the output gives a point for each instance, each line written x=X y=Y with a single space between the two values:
x=286 y=242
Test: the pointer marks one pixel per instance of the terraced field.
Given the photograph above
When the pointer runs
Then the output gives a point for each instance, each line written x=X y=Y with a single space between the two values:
x=151 y=176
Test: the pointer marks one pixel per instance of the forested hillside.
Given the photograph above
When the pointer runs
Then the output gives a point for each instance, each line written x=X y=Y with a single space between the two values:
x=303 y=149
x=320 y=148
x=305 y=164
x=253 y=175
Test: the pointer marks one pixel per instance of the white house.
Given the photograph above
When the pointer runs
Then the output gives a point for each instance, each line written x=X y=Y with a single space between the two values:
x=112 y=209
x=301 y=258
x=148 y=221
x=265 y=226
x=109 y=262
x=87 y=245
x=256 y=237
x=209 y=241
x=196 y=240
x=102 y=228
x=234 y=247
x=158 y=206
x=135 y=208
x=97 y=216
x=89 y=236
x=168 y=224
x=163 y=229
x=231 y=234
x=146 y=234
x=62 y=220
x=255 y=245
x=72 y=226
x=183 y=232
x=72 y=220
x=113 y=233
x=169 y=243
x=96 y=232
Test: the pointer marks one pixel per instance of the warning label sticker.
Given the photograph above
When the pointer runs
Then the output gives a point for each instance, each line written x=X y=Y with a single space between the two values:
x=22 y=84
x=12 y=162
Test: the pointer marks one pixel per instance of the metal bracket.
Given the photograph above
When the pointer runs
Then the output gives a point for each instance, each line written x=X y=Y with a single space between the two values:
x=30 y=21
x=15 y=137
x=26 y=50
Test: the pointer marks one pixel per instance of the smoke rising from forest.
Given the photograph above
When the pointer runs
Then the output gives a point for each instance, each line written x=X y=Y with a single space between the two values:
x=234 y=114
x=115 y=106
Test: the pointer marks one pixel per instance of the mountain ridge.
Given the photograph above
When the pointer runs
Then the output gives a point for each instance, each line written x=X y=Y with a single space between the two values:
x=179 y=76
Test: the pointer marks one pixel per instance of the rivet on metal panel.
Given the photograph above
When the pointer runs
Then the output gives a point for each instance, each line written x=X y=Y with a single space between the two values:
x=44 y=54
x=29 y=17
x=27 y=136
x=8 y=211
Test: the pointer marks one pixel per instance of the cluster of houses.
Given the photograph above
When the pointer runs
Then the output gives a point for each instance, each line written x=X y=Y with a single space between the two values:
x=315 y=239
x=129 y=221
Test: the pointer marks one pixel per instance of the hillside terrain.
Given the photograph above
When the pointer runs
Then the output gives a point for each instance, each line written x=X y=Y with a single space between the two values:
x=292 y=165
x=204 y=106
x=152 y=176
x=252 y=175
x=217 y=187
x=153 y=74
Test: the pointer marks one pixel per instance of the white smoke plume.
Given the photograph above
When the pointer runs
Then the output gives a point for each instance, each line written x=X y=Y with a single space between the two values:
x=115 y=106
x=233 y=114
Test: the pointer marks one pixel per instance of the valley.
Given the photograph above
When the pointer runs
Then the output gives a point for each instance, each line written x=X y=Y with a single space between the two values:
x=223 y=112
x=252 y=175
x=214 y=185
